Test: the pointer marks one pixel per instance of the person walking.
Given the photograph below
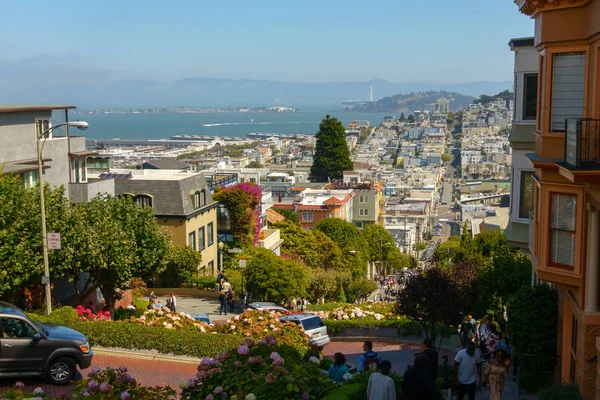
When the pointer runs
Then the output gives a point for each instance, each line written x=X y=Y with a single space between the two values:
x=221 y=278
x=467 y=332
x=226 y=285
x=338 y=369
x=417 y=383
x=432 y=358
x=496 y=372
x=173 y=302
x=222 y=302
x=491 y=343
x=381 y=386
x=369 y=361
x=231 y=299
x=467 y=365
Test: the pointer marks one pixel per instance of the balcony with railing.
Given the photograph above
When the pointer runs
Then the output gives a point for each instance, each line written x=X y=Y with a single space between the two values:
x=582 y=149
x=270 y=239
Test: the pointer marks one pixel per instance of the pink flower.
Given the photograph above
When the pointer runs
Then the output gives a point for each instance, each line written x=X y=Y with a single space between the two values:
x=20 y=385
x=270 y=378
x=209 y=397
x=237 y=363
x=218 y=390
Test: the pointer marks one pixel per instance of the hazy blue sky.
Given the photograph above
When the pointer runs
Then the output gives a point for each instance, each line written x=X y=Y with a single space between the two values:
x=307 y=40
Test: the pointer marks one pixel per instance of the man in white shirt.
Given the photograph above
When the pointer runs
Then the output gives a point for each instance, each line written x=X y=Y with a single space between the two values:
x=467 y=365
x=226 y=286
x=173 y=303
x=381 y=386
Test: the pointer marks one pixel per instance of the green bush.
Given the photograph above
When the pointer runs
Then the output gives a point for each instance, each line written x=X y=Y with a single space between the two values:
x=141 y=337
x=203 y=282
x=560 y=391
x=531 y=381
x=356 y=389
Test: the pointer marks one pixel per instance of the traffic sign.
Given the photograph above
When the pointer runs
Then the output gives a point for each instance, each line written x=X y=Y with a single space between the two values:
x=242 y=263
x=53 y=240
x=235 y=250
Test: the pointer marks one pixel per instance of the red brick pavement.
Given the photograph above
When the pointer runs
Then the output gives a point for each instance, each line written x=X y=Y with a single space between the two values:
x=146 y=371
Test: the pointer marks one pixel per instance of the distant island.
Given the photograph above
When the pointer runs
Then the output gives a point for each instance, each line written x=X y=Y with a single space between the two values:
x=414 y=101
x=185 y=110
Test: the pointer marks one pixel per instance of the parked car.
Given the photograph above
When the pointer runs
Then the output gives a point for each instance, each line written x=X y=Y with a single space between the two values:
x=313 y=326
x=267 y=306
x=35 y=349
x=202 y=318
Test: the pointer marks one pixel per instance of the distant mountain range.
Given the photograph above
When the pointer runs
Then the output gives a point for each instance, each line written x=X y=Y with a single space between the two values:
x=407 y=103
x=66 y=81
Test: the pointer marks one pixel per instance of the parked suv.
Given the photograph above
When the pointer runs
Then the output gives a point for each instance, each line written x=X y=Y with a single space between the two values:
x=34 y=349
x=266 y=306
x=313 y=326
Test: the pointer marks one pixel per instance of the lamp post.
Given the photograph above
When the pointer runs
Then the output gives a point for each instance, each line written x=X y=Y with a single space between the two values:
x=46 y=279
x=220 y=245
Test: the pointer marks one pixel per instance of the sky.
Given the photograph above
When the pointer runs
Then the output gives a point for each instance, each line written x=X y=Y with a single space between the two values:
x=436 y=41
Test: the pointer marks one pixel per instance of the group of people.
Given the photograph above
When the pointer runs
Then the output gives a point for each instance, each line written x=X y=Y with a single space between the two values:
x=297 y=304
x=155 y=302
x=227 y=294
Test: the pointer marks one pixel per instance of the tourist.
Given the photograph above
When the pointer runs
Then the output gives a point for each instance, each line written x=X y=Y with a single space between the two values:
x=173 y=302
x=467 y=332
x=222 y=302
x=369 y=360
x=151 y=304
x=159 y=304
x=491 y=344
x=417 y=383
x=338 y=369
x=226 y=285
x=221 y=278
x=496 y=372
x=432 y=358
x=151 y=296
x=467 y=365
x=381 y=386
x=231 y=299
x=477 y=333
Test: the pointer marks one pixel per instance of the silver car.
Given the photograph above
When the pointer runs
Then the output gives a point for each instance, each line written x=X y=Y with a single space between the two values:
x=266 y=306
x=313 y=326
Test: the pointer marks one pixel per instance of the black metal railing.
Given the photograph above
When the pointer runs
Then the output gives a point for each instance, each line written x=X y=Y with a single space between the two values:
x=582 y=141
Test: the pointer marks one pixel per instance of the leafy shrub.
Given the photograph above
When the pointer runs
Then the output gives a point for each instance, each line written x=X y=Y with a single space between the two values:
x=203 y=282
x=86 y=314
x=341 y=296
x=133 y=336
x=360 y=289
x=530 y=381
x=163 y=317
x=265 y=369
x=117 y=384
x=560 y=391
x=356 y=388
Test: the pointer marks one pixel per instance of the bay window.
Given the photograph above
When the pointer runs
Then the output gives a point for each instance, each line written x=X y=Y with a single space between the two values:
x=563 y=230
x=568 y=89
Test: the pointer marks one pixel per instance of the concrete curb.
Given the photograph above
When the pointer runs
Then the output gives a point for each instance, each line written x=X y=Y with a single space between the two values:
x=384 y=339
x=144 y=355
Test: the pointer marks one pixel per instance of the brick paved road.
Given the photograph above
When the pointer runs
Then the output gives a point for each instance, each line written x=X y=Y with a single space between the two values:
x=146 y=371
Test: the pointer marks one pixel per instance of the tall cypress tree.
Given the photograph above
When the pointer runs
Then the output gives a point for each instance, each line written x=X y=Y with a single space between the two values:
x=332 y=156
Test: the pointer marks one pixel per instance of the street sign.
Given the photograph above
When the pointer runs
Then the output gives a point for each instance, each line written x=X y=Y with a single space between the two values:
x=54 y=240
x=242 y=263
x=45 y=280
x=235 y=250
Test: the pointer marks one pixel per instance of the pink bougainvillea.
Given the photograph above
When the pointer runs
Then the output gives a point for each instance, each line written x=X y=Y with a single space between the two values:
x=243 y=202
x=85 y=314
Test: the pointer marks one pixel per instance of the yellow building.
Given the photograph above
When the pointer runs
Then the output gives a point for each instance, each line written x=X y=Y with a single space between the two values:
x=564 y=227
x=182 y=203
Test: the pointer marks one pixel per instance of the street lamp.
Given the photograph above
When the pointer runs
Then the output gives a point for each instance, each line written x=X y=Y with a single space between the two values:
x=220 y=245
x=46 y=278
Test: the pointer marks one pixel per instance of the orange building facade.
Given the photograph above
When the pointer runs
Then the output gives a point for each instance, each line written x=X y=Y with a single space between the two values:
x=565 y=223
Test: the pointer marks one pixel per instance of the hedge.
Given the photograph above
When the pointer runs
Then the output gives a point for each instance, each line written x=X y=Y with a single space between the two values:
x=560 y=391
x=141 y=337
x=356 y=389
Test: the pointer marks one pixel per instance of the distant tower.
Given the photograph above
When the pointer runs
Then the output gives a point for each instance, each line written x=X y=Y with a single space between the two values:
x=371 y=94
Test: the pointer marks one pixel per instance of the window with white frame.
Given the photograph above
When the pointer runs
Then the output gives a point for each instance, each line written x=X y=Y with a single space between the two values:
x=363 y=212
x=210 y=233
x=192 y=240
x=30 y=179
x=307 y=216
x=78 y=170
x=362 y=199
x=199 y=198
x=562 y=229
x=201 y=239
x=568 y=88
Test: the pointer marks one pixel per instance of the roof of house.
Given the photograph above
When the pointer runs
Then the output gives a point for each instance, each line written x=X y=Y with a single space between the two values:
x=11 y=108
x=172 y=191
x=274 y=217
x=167 y=163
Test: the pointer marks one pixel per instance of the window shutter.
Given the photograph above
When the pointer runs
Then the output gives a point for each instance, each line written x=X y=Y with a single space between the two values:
x=568 y=88
x=562 y=224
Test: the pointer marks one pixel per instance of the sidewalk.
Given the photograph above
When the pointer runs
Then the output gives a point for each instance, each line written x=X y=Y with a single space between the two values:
x=201 y=305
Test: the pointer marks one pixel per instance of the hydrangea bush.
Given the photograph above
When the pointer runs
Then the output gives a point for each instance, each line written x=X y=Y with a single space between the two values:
x=163 y=317
x=257 y=370
x=118 y=384
x=18 y=392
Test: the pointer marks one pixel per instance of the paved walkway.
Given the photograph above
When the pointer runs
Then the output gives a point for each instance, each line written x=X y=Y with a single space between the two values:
x=202 y=305
x=146 y=371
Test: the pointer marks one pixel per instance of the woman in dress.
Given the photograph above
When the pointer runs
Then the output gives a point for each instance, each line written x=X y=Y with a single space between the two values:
x=338 y=369
x=496 y=372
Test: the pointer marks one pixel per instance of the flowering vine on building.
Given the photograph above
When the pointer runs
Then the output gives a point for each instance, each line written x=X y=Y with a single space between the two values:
x=243 y=204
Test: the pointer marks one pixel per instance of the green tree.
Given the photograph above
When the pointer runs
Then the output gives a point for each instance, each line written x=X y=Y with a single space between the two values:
x=430 y=298
x=274 y=278
x=309 y=247
x=381 y=244
x=446 y=157
x=341 y=296
x=411 y=118
x=182 y=264
x=450 y=118
x=254 y=164
x=20 y=234
x=402 y=117
x=289 y=215
x=350 y=241
x=363 y=135
x=322 y=284
x=332 y=156
x=360 y=289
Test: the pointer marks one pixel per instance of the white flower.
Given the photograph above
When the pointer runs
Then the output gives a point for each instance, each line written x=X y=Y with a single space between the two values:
x=314 y=359
x=347 y=376
x=232 y=327
x=202 y=329
x=143 y=318
x=228 y=321
x=250 y=396
x=165 y=323
x=237 y=318
x=345 y=317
